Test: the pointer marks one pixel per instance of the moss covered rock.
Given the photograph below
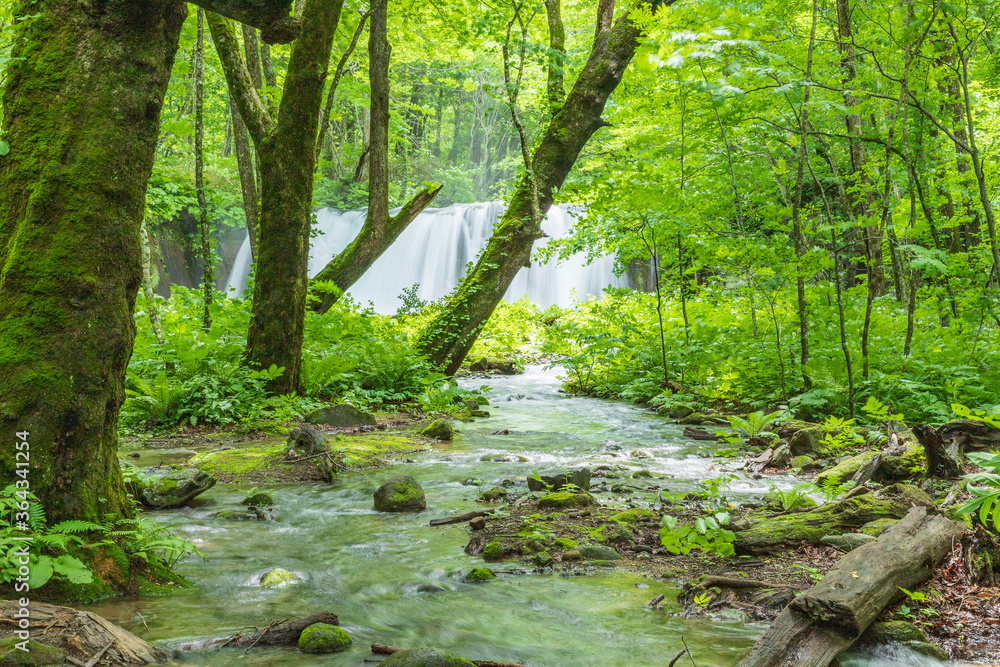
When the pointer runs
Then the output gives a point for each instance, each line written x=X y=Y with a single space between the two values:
x=37 y=654
x=699 y=419
x=277 y=578
x=544 y=559
x=426 y=657
x=929 y=649
x=401 y=493
x=807 y=441
x=888 y=632
x=323 y=638
x=557 y=479
x=679 y=411
x=596 y=552
x=633 y=515
x=894 y=468
x=495 y=495
x=564 y=499
x=236 y=515
x=493 y=552
x=176 y=488
x=479 y=575
x=878 y=526
x=342 y=415
x=565 y=543
x=642 y=474
x=844 y=471
x=259 y=499
x=439 y=429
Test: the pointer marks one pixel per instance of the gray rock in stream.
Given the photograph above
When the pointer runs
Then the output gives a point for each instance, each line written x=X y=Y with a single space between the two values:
x=559 y=478
x=175 y=489
x=594 y=552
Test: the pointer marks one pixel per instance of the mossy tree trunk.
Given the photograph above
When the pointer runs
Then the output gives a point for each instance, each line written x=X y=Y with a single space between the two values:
x=82 y=121
x=81 y=113
x=286 y=150
x=448 y=338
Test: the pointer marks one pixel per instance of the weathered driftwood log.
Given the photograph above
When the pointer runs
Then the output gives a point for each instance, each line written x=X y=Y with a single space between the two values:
x=383 y=649
x=849 y=513
x=285 y=633
x=700 y=434
x=81 y=634
x=458 y=518
x=971 y=435
x=829 y=617
x=939 y=463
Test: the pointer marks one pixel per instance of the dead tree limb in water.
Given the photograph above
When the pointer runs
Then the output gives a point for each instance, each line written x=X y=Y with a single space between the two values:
x=829 y=617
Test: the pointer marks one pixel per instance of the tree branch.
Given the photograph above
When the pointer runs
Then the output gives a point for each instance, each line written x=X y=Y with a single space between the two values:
x=557 y=55
x=272 y=17
x=324 y=123
x=241 y=88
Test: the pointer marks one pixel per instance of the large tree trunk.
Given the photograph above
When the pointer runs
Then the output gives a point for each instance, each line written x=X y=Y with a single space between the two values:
x=71 y=204
x=286 y=150
x=448 y=338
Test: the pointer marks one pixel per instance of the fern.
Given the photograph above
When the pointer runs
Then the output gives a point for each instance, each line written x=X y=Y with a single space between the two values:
x=75 y=527
x=754 y=424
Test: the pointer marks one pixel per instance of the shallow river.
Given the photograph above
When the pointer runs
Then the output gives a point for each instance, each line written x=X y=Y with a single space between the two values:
x=392 y=579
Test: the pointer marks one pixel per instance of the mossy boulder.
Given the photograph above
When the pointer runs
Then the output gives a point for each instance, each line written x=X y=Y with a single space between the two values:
x=803 y=463
x=771 y=534
x=888 y=632
x=633 y=515
x=323 y=638
x=596 y=552
x=426 y=657
x=401 y=493
x=845 y=470
x=679 y=411
x=236 y=515
x=479 y=575
x=878 y=526
x=847 y=541
x=642 y=474
x=699 y=419
x=898 y=467
x=929 y=649
x=780 y=457
x=557 y=479
x=38 y=654
x=565 y=543
x=176 y=488
x=259 y=499
x=544 y=559
x=495 y=495
x=565 y=499
x=278 y=578
x=439 y=429
x=342 y=415
x=493 y=552
x=807 y=441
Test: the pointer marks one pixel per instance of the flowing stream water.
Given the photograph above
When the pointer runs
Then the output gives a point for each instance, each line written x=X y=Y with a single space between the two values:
x=392 y=579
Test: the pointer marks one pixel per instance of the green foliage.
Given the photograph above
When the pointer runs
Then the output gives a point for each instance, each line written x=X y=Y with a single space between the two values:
x=839 y=436
x=985 y=500
x=793 y=498
x=707 y=534
x=753 y=426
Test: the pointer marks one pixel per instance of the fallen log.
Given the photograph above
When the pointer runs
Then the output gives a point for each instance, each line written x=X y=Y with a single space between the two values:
x=700 y=434
x=458 y=518
x=828 y=618
x=81 y=634
x=283 y=633
x=383 y=649
x=965 y=435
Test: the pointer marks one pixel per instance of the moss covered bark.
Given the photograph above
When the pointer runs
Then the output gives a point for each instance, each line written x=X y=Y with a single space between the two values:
x=81 y=108
x=449 y=337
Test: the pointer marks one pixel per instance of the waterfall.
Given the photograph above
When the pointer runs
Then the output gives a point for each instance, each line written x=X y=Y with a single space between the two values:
x=433 y=252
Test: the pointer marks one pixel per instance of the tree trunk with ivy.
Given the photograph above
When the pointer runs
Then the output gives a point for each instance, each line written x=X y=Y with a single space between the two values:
x=448 y=338
x=82 y=106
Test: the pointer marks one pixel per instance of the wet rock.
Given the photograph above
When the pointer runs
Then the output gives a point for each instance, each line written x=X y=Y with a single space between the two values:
x=557 y=479
x=236 y=515
x=640 y=454
x=478 y=523
x=807 y=441
x=564 y=499
x=38 y=654
x=642 y=474
x=594 y=552
x=804 y=463
x=698 y=419
x=507 y=482
x=278 y=578
x=342 y=415
x=175 y=489
x=928 y=649
x=429 y=588
x=493 y=552
x=847 y=541
x=439 y=429
x=479 y=413
x=763 y=460
x=495 y=495
x=877 y=527
x=401 y=493
x=544 y=559
x=259 y=499
x=306 y=440
x=472 y=481
x=677 y=411
x=479 y=575
x=323 y=638
x=426 y=657
x=505 y=458
x=781 y=456
x=888 y=632
x=571 y=555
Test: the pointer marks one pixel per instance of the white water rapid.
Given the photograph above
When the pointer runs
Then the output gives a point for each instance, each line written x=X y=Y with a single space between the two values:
x=433 y=252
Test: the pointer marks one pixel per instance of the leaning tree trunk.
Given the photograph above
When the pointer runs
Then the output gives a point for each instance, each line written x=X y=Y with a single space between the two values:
x=81 y=114
x=71 y=204
x=449 y=337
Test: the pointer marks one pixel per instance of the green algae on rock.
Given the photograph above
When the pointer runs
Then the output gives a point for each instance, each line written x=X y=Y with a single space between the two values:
x=401 y=493
x=439 y=429
x=563 y=499
x=323 y=638
x=426 y=657
x=479 y=575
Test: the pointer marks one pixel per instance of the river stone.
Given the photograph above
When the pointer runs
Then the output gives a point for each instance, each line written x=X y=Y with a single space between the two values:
x=277 y=578
x=847 y=541
x=342 y=415
x=439 y=429
x=557 y=479
x=236 y=515
x=888 y=632
x=844 y=471
x=564 y=499
x=426 y=657
x=479 y=575
x=803 y=462
x=593 y=552
x=38 y=654
x=679 y=411
x=572 y=554
x=544 y=559
x=493 y=552
x=176 y=488
x=306 y=440
x=781 y=456
x=807 y=441
x=642 y=474
x=505 y=458
x=698 y=419
x=478 y=523
x=495 y=495
x=259 y=499
x=401 y=493
x=501 y=366
x=323 y=638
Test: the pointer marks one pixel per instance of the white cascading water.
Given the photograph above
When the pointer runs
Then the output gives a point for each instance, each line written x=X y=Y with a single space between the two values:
x=433 y=252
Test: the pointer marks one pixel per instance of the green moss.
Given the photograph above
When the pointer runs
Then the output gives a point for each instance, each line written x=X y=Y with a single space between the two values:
x=401 y=493
x=878 y=526
x=323 y=638
x=479 y=575
x=38 y=654
x=844 y=471
x=562 y=499
x=493 y=552
x=633 y=515
x=278 y=578
x=258 y=499
x=565 y=543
